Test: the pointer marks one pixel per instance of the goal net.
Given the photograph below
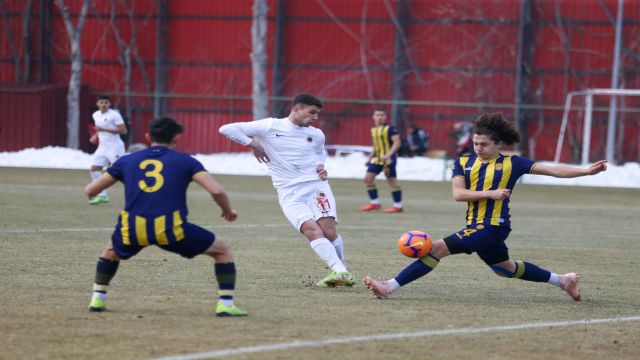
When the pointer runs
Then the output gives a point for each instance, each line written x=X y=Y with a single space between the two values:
x=587 y=113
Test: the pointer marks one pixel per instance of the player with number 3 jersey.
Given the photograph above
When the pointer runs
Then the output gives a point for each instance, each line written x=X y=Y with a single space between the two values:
x=155 y=213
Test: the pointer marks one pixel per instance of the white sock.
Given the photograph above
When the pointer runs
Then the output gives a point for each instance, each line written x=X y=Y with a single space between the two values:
x=101 y=295
x=398 y=205
x=328 y=254
x=375 y=201
x=394 y=284
x=95 y=175
x=226 y=302
x=554 y=279
x=338 y=244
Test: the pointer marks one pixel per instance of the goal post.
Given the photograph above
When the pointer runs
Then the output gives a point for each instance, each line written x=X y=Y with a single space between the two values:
x=587 y=122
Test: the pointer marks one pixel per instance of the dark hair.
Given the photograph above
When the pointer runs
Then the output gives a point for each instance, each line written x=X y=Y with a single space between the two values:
x=497 y=128
x=307 y=99
x=104 y=97
x=164 y=130
x=380 y=109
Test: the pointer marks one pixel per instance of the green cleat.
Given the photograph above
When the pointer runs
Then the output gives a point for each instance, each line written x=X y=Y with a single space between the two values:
x=100 y=199
x=97 y=305
x=337 y=279
x=222 y=310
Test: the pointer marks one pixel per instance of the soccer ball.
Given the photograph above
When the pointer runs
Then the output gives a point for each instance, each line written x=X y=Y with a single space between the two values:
x=414 y=244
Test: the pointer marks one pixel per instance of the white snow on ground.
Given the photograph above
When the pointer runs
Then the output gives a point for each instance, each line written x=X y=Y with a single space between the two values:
x=347 y=167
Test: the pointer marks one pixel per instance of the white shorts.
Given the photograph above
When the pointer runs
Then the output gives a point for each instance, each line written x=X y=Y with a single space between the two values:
x=106 y=155
x=310 y=200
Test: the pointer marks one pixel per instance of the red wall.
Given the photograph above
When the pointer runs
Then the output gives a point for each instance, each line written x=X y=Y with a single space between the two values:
x=464 y=56
x=35 y=116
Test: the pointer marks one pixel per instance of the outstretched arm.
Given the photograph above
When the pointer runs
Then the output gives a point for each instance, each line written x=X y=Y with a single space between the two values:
x=99 y=184
x=564 y=171
x=217 y=193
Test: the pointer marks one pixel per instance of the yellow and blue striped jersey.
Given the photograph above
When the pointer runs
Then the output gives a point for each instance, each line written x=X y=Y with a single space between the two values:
x=499 y=173
x=155 y=185
x=382 y=142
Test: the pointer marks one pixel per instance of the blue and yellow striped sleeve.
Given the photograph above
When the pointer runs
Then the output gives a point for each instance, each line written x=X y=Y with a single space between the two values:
x=458 y=169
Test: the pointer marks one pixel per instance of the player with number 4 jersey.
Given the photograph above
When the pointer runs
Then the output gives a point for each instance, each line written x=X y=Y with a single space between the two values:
x=485 y=181
x=155 y=213
x=294 y=153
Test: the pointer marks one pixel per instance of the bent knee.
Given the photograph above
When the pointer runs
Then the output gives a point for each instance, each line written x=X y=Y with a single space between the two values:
x=331 y=235
x=109 y=254
x=439 y=249
x=502 y=274
x=221 y=250
x=501 y=271
x=312 y=233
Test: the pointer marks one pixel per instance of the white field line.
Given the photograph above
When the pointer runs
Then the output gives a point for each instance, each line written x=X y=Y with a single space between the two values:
x=26 y=231
x=236 y=226
x=227 y=226
x=385 y=337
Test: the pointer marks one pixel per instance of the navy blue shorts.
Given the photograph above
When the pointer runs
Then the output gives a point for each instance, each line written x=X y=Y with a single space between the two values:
x=485 y=240
x=195 y=242
x=389 y=169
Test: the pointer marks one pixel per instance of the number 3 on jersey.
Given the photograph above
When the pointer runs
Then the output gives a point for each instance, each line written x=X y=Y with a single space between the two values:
x=153 y=175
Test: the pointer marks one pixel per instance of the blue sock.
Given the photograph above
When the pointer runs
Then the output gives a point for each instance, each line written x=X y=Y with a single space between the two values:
x=373 y=192
x=396 y=193
x=530 y=272
x=105 y=271
x=226 y=276
x=416 y=270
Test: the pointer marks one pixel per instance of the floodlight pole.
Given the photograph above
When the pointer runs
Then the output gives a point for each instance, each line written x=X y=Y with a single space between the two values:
x=613 y=102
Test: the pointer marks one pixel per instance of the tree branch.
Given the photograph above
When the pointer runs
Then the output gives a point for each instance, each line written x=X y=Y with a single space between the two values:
x=11 y=41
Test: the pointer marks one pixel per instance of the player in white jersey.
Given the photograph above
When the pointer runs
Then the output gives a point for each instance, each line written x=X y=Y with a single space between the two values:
x=294 y=153
x=109 y=126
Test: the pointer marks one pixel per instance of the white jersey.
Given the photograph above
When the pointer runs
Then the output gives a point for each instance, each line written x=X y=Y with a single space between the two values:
x=110 y=119
x=294 y=151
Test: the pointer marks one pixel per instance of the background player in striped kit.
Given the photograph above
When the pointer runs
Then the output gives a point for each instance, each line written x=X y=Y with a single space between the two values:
x=386 y=143
x=156 y=181
x=485 y=180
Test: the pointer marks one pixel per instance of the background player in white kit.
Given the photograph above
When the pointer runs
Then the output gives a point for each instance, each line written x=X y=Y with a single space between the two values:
x=109 y=127
x=294 y=153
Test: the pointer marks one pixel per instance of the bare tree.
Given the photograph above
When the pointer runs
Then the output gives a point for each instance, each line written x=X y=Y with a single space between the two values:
x=259 y=59
x=16 y=52
x=129 y=49
x=75 y=79
x=26 y=42
x=363 y=45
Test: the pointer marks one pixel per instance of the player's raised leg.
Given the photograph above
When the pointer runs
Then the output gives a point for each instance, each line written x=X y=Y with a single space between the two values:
x=530 y=272
x=419 y=268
